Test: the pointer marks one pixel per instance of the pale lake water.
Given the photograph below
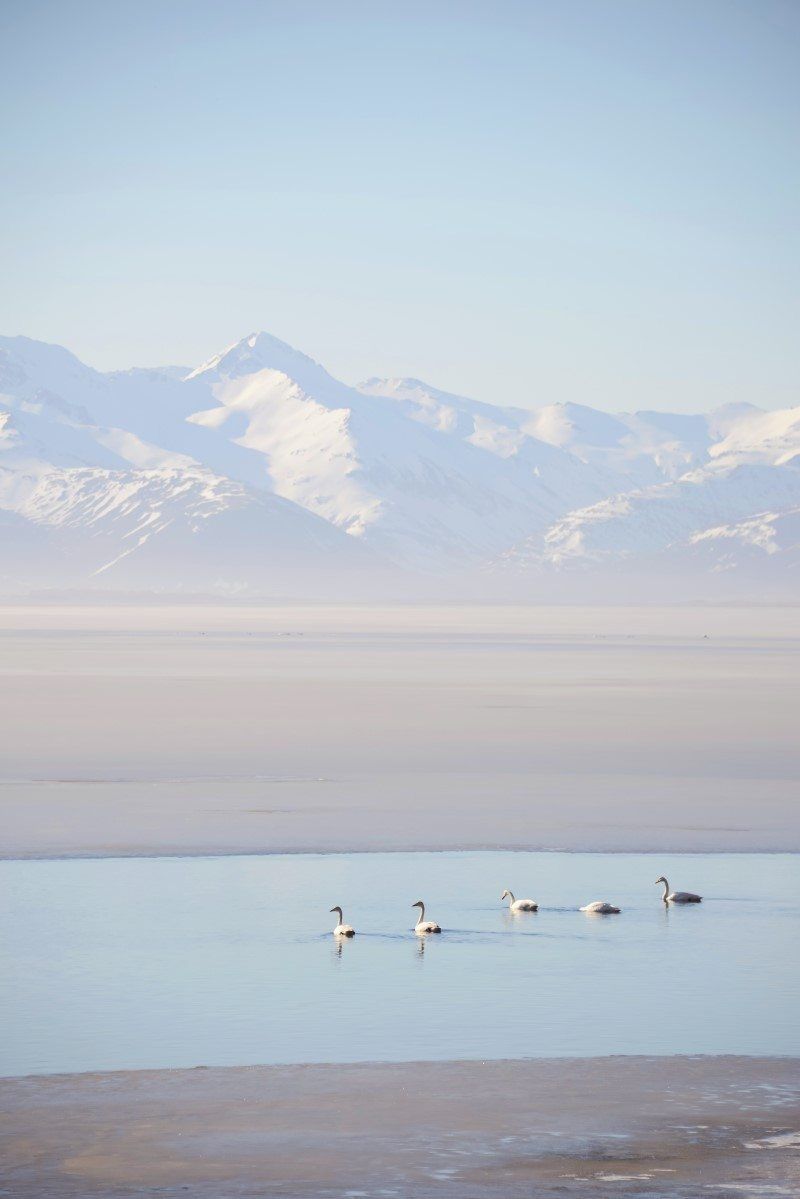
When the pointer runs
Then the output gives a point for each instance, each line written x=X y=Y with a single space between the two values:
x=145 y=963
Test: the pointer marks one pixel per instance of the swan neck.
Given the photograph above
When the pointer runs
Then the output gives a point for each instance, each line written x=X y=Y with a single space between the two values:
x=666 y=889
x=421 y=914
x=511 y=899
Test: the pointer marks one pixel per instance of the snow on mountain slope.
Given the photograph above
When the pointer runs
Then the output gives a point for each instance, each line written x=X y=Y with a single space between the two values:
x=500 y=431
x=639 y=448
x=276 y=401
x=74 y=511
x=626 y=450
x=33 y=435
x=45 y=394
x=637 y=526
x=136 y=417
x=444 y=411
x=184 y=530
x=760 y=437
x=422 y=497
x=34 y=371
x=43 y=429
x=769 y=539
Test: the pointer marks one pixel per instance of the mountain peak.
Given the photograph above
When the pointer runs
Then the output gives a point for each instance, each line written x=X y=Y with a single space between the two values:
x=257 y=351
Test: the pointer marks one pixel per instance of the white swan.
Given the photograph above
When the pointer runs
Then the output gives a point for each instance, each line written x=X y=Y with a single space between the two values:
x=601 y=908
x=342 y=930
x=519 y=905
x=677 y=896
x=423 y=925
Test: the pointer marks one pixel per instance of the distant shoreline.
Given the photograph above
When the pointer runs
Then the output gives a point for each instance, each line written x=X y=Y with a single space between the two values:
x=168 y=853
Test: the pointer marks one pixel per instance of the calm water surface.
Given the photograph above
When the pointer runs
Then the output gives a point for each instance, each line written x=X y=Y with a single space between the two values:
x=172 y=962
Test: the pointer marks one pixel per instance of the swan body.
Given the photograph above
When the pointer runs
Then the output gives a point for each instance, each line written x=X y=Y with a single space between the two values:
x=519 y=905
x=423 y=925
x=677 y=896
x=600 y=908
x=342 y=930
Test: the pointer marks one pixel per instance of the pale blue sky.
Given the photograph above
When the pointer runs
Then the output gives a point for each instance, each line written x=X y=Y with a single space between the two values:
x=588 y=200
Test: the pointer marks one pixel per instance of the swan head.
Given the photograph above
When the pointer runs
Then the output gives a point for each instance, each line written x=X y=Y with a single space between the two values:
x=660 y=879
x=339 y=910
x=506 y=895
x=418 y=904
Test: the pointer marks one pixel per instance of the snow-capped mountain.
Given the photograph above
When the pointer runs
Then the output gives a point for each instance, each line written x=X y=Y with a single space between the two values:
x=768 y=543
x=259 y=473
x=634 y=527
x=184 y=529
x=420 y=497
x=633 y=450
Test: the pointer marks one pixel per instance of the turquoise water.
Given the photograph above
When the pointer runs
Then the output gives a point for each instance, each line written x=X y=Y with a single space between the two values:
x=173 y=962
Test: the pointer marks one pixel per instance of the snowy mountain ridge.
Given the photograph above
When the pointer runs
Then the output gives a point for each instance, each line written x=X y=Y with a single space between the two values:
x=259 y=473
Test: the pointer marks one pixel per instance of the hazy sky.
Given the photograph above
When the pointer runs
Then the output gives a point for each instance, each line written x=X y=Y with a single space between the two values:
x=560 y=200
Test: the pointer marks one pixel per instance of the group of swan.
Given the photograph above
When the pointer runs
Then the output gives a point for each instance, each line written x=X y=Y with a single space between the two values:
x=599 y=907
x=422 y=926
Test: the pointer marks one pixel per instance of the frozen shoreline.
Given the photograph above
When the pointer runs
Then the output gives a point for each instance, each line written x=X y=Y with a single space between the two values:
x=582 y=1127
x=405 y=812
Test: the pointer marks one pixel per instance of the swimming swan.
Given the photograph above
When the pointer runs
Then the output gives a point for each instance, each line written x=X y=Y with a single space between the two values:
x=519 y=905
x=423 y=925
x=677 y=896
x=343 y=930
x=601 y=908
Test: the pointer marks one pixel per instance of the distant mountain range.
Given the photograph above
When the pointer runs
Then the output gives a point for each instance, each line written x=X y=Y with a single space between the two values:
x=258 y=474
